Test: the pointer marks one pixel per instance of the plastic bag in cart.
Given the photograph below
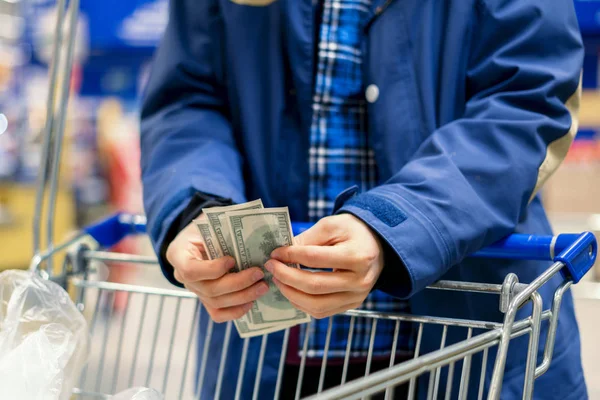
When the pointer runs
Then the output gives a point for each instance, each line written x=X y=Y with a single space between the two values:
x=44 y=339
x=138 y=394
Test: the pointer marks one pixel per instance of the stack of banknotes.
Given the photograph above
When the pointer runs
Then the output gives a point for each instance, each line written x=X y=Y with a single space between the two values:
x=249 y=233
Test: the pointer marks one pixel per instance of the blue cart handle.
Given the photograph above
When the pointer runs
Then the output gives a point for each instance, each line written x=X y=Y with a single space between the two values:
x=576 y=251
x=110 y=231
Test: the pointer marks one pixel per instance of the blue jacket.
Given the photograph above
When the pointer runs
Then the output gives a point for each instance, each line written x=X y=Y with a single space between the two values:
x=475 y=110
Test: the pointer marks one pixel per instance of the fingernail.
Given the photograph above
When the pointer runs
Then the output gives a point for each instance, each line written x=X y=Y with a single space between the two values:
x=269 y=266
x=275 y=253
x=247 y=307
x=262 y=289
x=258 y=275
x=230 y=263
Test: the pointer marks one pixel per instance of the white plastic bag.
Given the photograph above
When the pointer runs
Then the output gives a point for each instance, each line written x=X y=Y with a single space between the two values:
x=44 y=339
x=138 y=394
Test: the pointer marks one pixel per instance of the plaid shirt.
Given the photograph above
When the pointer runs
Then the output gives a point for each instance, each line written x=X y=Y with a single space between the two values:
x=340 y=157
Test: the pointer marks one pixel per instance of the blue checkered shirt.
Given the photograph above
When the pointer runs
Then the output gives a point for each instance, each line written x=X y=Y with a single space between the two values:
x=340 y=157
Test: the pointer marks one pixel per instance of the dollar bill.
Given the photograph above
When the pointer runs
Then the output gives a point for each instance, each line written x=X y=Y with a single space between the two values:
x=218 y=223
x=213 y=251
x=210 y=243
x=256 y=234
x=245 y=330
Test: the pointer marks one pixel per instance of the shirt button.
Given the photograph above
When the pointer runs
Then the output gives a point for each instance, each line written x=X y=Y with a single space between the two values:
x=372 y=93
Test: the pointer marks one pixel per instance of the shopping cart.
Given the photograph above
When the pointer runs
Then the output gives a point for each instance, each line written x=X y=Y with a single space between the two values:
x=152 y=341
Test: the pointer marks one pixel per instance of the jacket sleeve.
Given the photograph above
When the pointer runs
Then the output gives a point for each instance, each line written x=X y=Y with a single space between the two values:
x=187 y=144
x=470 y=182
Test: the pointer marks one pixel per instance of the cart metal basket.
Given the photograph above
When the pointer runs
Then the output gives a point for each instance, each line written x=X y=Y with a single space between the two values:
x=152 y=341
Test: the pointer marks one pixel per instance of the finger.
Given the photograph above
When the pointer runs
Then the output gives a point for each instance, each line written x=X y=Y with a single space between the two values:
x=229 y=283
x=194 y=270
x=311 y=282
x=227 y=314
x=324 y=257
x=186 y=248
x=337 y=311
x=247 y=295
x=326 y=231
x=317 y=304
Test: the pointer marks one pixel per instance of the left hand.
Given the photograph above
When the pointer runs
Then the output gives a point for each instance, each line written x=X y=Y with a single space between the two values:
x=342 y=243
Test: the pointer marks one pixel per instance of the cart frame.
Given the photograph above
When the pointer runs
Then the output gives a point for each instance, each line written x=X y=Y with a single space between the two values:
x=572 y=261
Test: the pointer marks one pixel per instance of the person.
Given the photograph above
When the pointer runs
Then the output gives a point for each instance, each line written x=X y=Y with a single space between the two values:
x=414 y=132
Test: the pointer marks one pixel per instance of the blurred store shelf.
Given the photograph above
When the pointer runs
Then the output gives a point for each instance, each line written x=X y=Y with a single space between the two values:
x=16 y=216
x=590 y=104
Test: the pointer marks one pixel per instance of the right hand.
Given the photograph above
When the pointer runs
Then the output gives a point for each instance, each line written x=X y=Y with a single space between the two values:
x=226 y=296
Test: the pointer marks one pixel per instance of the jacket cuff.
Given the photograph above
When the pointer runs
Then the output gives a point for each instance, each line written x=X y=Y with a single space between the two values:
x=416 y=254
x=181 y=217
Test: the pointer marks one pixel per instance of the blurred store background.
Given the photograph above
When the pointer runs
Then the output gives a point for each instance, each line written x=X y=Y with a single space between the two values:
x=100 y=174
x=100 y=168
